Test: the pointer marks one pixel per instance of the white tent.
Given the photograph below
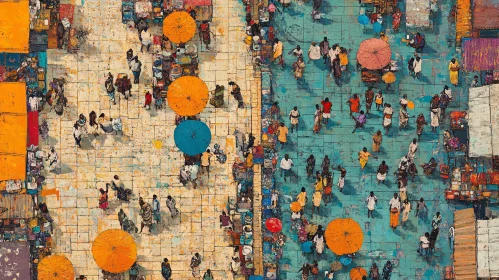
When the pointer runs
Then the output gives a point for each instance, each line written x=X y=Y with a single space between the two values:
x=483 y=121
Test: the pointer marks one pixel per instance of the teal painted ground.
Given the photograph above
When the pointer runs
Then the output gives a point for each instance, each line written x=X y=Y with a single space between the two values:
x=294 y=26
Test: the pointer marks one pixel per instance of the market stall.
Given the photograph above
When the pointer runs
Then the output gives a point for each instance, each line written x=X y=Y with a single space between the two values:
x=417 y=13
x=485 y=16
x=483 y=121
x=14 y=33
x=465 y=260
x=373 y=56
x=488 y=249
x=382 y=6
x=480 y=54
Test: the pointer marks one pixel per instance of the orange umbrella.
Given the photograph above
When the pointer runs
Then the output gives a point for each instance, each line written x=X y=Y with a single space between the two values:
x=179 y=27
x=114 y=250
x=56 y=267
x=357 y=273
x=389 y=78
x=187 y=96
x=374 y=54
x=295 y=206
x=410 y=105
x=344 y=236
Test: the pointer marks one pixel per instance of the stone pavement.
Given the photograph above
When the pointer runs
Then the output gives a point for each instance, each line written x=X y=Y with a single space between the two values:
x=294 y=26
x=135 y=157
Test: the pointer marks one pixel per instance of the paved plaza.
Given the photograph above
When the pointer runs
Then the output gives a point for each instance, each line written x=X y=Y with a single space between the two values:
x=145 y=157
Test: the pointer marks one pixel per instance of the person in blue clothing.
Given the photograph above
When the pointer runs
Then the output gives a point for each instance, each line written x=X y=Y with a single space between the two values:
x=166 y=270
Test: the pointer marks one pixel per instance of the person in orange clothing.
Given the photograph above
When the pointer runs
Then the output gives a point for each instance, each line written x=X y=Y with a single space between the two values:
x=354 y=104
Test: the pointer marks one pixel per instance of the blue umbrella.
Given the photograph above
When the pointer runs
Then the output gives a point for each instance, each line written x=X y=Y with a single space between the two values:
x=306 y=247
x=345 y=260
x=192 y=137
x=377 y=27
x=363 y=19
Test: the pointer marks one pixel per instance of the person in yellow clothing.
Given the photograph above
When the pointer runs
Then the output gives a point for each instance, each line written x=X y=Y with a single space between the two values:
x=364 y=157
x=205 y=161
x=277 y=49
x=319 y=184
x=282 y=134
x=316 y=202
x=383 y=37
x=454 y=71
x=302 y=198
x=343 y=59
x=249 y=159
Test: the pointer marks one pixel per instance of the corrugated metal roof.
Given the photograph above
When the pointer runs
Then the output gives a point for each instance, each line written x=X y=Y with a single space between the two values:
x=481 y=54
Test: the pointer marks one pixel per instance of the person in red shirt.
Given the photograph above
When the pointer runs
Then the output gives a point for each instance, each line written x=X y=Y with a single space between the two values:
x=147 y=103
x=354 y=104
x=326 y=109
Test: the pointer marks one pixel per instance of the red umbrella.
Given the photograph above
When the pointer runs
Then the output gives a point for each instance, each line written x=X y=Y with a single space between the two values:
x=273 y=225
x=374 y=54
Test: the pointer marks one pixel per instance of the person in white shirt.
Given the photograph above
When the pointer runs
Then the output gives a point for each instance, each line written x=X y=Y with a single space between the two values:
x=286 y=164
x=298 y=52
x=394 y=211
x=417 y=67
x=424 y=244
x=413 y=147
x=145 y=39
x=294 y=115
x=53 y=159
x=314 y=52
x=371 y=201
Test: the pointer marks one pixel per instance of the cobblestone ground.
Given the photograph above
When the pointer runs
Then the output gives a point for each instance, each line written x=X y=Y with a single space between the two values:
x=135 y=156
x=381 y=243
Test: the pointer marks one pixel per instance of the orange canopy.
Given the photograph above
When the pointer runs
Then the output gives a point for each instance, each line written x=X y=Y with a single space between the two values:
x=55 y=267
x=14 y=26
x=295 y=206
x=344 y=236
x=187 y=96
x=179 y=27
x=374 y=54
x=357 y=273
x=114 y=250
x=14 y=125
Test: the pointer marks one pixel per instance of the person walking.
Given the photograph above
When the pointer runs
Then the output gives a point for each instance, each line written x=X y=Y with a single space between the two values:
x=156 y=213
x=364 y=157
x=277 y=52
x=53 y=159
x=124 y=85
x=326 y=163
x=424 y=244
x=410 y=66
x=110 y=90
x=324 y=45
x=316 y=201
x=336 y=69
x=77 y=134
x=371 y=201
x=413 y=148
x=406 y=209
x=146 y=214
x=435 y=120
x=298 y=67
x=378 y=99
x=397 y=16
x=394 y=211
x=205 y=33
x=382 y=171
x=236 y=93
x=302 y=198
x=319 y=242
x=166 y=270
x=147 y=100
x=136 y=67
x=421 y=207
x=326 y=110
x=294 y=116
x=454 y=72
x=145 y=39
x=195 y=263
x=314 y=52
x=387 y=117
x=297 y=52
x=360 y=120
x=369 y=99
x=282 y=134
x=317 y=119
x=305 y=271
x=208 y=275
x=377 y=139
x=310 y=166
x=286 y=164
x=206 y=161
x=417 y=66
x=420 y=123
x=104 y=199
x=171 y=204
x=354 y=103
x=341 y=179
